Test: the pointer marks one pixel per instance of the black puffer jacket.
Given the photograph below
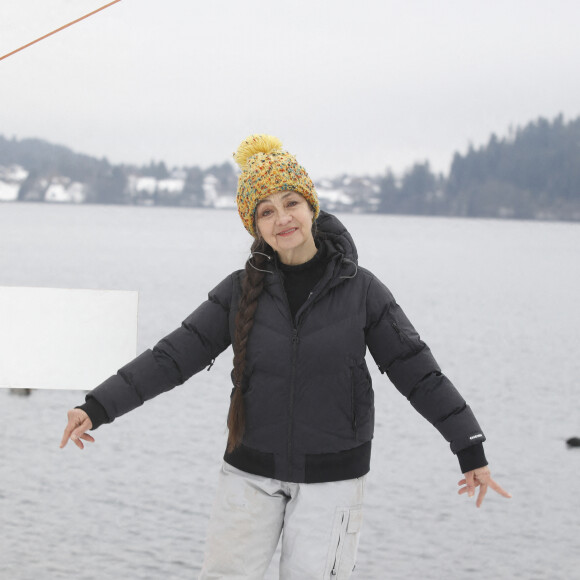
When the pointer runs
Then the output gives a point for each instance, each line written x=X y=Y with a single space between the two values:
x=307 y=389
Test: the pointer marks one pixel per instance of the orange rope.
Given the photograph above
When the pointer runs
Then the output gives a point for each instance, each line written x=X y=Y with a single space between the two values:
x=59 y=29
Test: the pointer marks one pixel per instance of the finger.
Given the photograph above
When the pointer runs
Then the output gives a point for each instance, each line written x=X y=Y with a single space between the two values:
x=464 y=482
x=81 y=429
x=470 y=483
x=465 y=489
x=68 y=432
x=79 y=433
x=75 y=418
x=481 y=495
x=65 y=436
x=497 y=488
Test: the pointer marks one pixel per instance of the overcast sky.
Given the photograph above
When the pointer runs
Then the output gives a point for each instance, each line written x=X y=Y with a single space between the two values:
x=348 y=86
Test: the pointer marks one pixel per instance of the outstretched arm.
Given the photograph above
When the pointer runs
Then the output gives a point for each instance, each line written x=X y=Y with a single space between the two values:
x=480 y=477
x=202 y=336
x=399 y=352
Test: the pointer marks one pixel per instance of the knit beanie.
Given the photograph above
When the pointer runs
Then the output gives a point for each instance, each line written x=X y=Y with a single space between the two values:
x=266 y=169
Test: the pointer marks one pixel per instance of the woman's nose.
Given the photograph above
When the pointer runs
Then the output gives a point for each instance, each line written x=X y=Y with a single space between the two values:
x=283 y=217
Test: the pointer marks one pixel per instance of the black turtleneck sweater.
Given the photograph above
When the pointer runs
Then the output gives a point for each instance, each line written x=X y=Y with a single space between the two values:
x=300 y=280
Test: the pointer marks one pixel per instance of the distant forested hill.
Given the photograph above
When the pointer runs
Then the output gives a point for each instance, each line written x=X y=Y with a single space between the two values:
x=533 y=173
x=49 y=168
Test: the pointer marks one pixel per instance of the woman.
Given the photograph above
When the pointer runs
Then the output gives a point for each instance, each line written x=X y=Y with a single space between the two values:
x=300 y=318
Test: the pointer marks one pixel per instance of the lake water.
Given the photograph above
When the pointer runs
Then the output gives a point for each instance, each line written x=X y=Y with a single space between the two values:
x=498 y=303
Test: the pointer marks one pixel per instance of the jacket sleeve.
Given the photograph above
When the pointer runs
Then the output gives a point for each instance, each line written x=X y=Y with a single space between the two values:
x=399 y=351
x=202 y=336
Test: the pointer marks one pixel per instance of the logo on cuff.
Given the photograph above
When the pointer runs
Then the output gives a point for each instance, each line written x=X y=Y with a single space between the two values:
x=476 y=436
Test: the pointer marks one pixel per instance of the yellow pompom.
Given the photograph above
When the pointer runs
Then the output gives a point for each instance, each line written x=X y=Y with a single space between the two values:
x=256 y=144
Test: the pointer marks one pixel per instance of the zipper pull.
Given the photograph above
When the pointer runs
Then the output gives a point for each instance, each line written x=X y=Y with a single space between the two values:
x=210 y=364
x=295 y=339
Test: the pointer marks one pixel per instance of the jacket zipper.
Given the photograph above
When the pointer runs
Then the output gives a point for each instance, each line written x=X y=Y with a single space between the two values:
x=295 y=341
x=296 y=324
x=402 y=336
x=397 y=330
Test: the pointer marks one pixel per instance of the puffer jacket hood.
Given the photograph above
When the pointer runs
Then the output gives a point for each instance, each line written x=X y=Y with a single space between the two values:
x=332 y=229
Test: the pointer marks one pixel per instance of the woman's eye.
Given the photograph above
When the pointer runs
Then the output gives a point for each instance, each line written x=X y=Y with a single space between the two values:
x=265 y=213
x=292 y=203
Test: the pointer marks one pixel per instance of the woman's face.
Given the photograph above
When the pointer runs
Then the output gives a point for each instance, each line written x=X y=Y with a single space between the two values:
x=284 y=220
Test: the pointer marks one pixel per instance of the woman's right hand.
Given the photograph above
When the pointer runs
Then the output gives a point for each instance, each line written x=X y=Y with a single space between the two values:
x=76 y=429
x=480 y=477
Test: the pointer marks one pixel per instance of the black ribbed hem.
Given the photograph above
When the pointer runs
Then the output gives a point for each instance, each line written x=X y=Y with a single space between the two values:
x=349 y=464
x=95 y=411
x=251 y=461
x=471 y=458
x=319 y=467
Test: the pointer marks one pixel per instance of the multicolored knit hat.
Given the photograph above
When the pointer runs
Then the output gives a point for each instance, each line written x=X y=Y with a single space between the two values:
x=266 y=168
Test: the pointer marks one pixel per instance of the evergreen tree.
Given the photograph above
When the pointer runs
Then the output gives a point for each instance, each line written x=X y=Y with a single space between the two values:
x=389 y=193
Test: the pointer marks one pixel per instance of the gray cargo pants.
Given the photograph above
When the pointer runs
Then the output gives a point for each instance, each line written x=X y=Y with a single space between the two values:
x=320 y=522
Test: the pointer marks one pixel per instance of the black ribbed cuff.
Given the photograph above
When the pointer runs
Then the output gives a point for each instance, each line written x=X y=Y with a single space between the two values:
x=471 y=458
x=95 y=411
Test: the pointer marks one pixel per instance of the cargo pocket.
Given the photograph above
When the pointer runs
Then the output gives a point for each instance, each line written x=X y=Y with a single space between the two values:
x=343 y=543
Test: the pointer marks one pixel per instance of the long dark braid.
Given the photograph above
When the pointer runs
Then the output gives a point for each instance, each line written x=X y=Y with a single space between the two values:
x=252 y=286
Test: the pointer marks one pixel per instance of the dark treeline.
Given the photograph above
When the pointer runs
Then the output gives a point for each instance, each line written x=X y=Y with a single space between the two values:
x=533 y=173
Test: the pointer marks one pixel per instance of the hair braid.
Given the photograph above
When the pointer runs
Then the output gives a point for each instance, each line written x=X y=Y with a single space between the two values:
x=252 y=286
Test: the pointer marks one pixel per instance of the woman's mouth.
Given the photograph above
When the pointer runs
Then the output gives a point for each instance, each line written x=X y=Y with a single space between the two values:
x=287 y=232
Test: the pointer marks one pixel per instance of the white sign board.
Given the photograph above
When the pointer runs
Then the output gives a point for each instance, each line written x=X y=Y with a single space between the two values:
x=52 y=338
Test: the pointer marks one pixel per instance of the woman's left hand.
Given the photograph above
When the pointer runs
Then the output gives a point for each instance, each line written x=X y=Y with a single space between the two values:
x=480 y=477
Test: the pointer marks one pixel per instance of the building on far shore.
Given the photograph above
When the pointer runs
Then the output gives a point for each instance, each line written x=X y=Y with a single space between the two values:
x=11 y=179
